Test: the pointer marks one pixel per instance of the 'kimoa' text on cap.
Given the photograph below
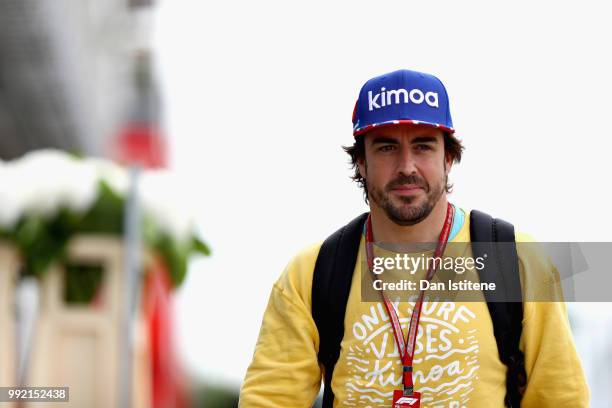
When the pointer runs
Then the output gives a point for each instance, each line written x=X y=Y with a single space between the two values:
x=392 y=96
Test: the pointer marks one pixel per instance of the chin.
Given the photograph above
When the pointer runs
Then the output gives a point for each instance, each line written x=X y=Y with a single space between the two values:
x=409 y=202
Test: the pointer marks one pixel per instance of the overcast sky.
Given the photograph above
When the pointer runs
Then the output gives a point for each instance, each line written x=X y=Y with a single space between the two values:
x=258 y=100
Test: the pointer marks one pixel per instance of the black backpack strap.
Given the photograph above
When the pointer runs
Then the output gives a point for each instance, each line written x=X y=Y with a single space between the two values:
x=331 y=285
x=505 y=306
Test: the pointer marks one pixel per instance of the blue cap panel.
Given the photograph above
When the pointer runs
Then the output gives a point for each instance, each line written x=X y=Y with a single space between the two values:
x=402 y=96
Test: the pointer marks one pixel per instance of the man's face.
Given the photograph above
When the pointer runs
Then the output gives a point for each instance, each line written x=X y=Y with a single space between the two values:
x=406 y=171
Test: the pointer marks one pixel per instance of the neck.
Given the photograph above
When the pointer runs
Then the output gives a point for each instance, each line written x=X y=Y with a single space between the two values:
x=428 y=230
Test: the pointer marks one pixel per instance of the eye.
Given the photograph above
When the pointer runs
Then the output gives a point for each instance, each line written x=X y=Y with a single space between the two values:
x=386 y=148
x=423 y=147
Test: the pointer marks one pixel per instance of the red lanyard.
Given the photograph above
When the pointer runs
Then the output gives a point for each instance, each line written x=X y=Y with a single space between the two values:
x=406 y=348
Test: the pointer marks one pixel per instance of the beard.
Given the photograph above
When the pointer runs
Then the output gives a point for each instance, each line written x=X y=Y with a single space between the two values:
x=407 y=211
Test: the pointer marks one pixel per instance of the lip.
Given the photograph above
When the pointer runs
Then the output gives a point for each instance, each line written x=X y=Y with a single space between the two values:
x=406 y=189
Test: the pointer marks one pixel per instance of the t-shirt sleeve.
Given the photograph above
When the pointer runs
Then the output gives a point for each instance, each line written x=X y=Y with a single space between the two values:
x=284 y=371
x=555 y=377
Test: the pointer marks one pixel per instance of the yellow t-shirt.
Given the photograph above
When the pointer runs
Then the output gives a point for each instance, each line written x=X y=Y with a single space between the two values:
x=456 y=361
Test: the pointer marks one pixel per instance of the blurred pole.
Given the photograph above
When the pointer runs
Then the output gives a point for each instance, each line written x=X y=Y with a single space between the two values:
x=27 y=310
x=140 y=144
x=132 y=281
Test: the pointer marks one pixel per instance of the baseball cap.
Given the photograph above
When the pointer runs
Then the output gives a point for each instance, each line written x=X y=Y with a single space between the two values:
x=402 y=97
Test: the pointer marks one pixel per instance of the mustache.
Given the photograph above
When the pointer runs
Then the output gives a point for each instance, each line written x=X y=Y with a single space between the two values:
x=403 y=179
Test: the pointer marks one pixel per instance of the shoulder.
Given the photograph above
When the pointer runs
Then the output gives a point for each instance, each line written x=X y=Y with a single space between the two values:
x=538 y=274
x=296 y=280
x=531 y=253
x=533 y=256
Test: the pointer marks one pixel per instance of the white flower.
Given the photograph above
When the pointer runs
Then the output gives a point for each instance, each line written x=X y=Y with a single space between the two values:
x=113 y=174
x=44 y=181
x=56 y=179
x=164 y=198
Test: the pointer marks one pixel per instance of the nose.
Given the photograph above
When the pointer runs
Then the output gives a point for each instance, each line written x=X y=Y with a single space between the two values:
x=406 y=162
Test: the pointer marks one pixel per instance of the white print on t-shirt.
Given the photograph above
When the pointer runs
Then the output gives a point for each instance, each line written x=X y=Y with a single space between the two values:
x=450 y=354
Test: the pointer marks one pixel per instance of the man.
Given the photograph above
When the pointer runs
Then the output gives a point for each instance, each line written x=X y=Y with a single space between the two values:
x=403 y=152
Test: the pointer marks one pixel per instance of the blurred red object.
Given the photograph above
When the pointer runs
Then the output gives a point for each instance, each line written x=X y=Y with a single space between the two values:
x=168 y=380
x=140 y=144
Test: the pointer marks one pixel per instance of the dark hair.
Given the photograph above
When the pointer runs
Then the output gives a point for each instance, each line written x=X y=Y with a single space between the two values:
x=453 y=150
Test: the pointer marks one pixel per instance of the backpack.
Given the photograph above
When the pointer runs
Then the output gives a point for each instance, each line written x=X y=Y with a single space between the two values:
x=332 y=282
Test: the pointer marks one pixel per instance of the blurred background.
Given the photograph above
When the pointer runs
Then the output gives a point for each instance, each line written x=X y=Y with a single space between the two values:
x=213 y=132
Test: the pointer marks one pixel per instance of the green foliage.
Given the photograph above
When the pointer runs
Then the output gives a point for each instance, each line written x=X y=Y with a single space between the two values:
x=177 y=253
x=200 y=246
x=81 y=282
x=215 y=396
x=42 y=240
x=106 y=213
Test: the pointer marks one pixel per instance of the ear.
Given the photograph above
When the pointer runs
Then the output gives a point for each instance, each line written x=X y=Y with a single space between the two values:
x=362 y=165
x=448 y=164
